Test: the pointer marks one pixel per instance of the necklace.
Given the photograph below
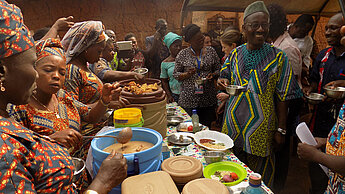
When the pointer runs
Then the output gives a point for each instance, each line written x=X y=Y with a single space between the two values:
x=56 y=113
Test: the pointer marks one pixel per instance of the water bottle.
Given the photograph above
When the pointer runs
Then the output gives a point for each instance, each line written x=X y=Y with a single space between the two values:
x=254 y=185
x=195 y=121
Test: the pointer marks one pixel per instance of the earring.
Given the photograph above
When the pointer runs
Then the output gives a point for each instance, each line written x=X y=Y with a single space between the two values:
x=2 y=88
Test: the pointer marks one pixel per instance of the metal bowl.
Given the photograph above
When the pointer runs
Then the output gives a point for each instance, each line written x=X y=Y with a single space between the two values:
x=234 y=90
x=142 y=71
x=171 y=111
x=314 y=98
x=336 y=93
x=174 y=120
x=79 y=166
x=213 y=156
x=200 y=81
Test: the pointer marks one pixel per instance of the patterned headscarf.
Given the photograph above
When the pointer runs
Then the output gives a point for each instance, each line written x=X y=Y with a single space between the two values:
x=49 y=47
x=82 y=35
x=14 y=35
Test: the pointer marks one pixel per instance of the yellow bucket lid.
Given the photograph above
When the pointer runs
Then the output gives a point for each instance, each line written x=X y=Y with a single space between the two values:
x=127 y=116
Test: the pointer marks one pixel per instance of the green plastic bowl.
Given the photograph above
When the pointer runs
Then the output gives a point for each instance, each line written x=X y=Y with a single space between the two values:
x=226 y=166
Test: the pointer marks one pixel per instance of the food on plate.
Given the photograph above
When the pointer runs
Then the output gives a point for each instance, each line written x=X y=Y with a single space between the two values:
x=140 y=89
x=213 y=145
x=225 y=176
x=130 y=147
x=206 y=140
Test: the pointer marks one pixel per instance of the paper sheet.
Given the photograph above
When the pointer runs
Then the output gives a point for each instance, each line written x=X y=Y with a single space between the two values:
x=305 y=136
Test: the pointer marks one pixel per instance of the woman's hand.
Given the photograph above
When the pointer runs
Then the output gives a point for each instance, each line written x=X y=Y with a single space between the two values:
x=111 y=173
x=222 y=83
x=307 y=152
x=63 y=24
x=68 y=138
x=111 y=92
x=337 y=83
x=138 y=76
x=222 y=96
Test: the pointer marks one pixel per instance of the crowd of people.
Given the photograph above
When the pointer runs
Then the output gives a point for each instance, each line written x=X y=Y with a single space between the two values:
x=55 y=90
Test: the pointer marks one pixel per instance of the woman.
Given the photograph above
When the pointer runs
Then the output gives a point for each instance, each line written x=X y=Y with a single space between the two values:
x=51 y=111
x=229 y=40
x=31 y=163
x=208 y=40
x=192 y=63
x=170 y=85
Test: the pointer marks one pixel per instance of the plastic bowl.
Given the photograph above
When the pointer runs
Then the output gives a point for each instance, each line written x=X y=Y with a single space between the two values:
x=226 y=166
x=213 y=156
x=234 y=90
x=336 y=93
x=314 y=98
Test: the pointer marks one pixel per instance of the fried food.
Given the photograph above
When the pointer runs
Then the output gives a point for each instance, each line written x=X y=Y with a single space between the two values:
x=140 y=89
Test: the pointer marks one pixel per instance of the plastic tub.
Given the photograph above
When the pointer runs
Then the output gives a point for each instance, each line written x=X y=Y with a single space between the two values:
x=140 y=124
x=138 y=163
x=127 y=116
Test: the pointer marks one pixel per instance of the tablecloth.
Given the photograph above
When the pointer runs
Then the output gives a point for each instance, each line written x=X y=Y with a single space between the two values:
x=196 y=151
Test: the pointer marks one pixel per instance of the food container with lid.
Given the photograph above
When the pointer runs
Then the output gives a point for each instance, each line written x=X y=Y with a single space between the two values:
x=182 y=169
x=205 y=186
x=152 y=183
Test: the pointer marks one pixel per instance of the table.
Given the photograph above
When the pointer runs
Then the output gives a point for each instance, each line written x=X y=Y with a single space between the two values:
x=196 y=151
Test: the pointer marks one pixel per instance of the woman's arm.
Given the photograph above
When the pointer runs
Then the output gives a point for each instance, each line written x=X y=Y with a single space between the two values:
x=166 y=87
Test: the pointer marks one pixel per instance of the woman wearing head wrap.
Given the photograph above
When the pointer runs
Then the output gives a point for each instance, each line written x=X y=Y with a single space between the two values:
x=31 y=163
x=170 y=85
x=193 y=63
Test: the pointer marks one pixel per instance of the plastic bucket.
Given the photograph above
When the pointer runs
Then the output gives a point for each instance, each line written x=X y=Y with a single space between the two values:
x=138 y=163
x=127 y=116
x=140 y=124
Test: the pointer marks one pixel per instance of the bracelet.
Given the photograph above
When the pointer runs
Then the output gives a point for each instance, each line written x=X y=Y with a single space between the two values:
x=282 y=131
x=103 y=103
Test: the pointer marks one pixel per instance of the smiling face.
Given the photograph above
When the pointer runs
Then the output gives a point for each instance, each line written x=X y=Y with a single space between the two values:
x=197 y=41
x=207 y=41
x=134 y=42
x=256 y=28
x=332 y=30
x=19 y=77
x=51 y=71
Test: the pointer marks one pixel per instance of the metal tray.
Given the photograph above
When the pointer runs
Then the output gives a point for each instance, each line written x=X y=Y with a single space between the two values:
x=176 y=138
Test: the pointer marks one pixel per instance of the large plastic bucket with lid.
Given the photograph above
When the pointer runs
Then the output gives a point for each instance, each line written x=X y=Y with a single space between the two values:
x=138 y=163
x=155 y=116
x=127 y=116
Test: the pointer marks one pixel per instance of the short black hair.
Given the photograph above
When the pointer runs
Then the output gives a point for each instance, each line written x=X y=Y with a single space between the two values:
x=160 y=22
x=128 y=36
x=304 y=19
x=189 y=31
x=278 y=20
x=40 y=33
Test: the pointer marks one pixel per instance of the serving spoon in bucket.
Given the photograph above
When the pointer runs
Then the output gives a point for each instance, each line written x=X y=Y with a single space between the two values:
x=123 y=137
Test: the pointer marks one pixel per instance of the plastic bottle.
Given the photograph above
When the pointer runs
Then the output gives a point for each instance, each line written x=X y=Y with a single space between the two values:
x=195 y=121
x=254 y=185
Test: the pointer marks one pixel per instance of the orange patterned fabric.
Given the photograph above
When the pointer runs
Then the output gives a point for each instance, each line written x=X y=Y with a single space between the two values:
x=32 y=164
x=14 y=35
x=46 y=122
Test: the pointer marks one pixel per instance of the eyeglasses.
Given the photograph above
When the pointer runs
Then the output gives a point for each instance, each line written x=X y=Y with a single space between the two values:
x=256 y=26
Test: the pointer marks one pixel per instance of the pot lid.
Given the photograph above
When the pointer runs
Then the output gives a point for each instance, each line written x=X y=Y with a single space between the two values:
x=182 y=166
x=153 y=183
x=205 y=186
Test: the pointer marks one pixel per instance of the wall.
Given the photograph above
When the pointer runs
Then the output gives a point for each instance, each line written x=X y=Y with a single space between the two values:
x=123 y=16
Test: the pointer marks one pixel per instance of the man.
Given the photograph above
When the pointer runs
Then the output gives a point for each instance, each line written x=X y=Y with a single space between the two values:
x=156 y=50
x=116 y=63
x=281 y=39
x=299 y=32
x=256 y=118
x=328 y=66
x=218 y=32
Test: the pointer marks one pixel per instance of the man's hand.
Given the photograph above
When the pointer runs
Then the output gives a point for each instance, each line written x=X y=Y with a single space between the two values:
x=279 y=140
x=222 y=83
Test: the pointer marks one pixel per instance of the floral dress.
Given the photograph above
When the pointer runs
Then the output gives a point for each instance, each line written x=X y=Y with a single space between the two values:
x=32 y=164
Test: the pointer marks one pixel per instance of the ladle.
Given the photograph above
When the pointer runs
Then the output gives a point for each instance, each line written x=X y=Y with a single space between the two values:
x=123 y=137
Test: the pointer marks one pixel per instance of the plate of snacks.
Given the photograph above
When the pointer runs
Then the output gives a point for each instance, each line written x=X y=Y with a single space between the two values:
x=228 y=173
x=213 y=140
x=188 y=127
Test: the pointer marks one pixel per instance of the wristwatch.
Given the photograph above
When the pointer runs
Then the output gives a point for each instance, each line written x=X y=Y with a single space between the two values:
x=282 y=131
